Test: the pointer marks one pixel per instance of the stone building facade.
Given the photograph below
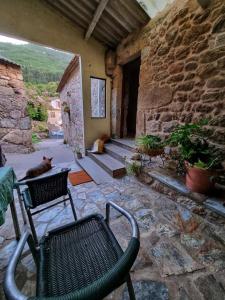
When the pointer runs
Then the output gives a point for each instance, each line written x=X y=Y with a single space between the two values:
x=182 y=70
x=70 y=90
x=15 y=125
x=54 y=121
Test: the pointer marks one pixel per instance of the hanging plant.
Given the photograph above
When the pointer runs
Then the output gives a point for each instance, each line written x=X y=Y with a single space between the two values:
x=66 y=109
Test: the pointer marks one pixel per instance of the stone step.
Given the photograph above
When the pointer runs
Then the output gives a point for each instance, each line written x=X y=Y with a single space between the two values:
x=212 y=203
x=94 y=170
x=128 y=144
x=215 y=205
x=118 y=152
x=112 y=166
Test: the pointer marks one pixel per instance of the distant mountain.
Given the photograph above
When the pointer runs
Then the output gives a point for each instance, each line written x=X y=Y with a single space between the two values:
x=39 y=64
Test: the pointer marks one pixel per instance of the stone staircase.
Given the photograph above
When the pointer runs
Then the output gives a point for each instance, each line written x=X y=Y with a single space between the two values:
x=113 y=160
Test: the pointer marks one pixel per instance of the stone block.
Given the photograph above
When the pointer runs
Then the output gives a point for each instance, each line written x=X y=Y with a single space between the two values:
x=216 y=82
x=169 y=126
x=166 y=117
x=219 y=25
x=191 y=66
x=199 y=47
x=186 y=86
x=221 y=63
x=8 y=123
x=210 y=288
x=213 y=96
x=189 y=76
x=195 y=95
x=180 y=97
x=201 y=17
x=193 y=34
x=177 y=42
x=173 y=259
x=208 y=70
x=25 y=123
x=182 y=53
x=176 y=78
x=171 y=35
x=15 y=114
x=6 y=91
x=211 y=55
x=219 y=136
x=153 y=126
x=177 y=107
x=154 y=290
x=163 y=51
x=3 y=82
x=18 y=137
x=218 y=121
x=153 y=96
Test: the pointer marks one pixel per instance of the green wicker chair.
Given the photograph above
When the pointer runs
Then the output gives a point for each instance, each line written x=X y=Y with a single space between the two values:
x=79 y=261
x=45 y=190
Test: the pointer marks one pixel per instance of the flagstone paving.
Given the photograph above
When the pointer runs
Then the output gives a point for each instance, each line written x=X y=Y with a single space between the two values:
x=182 y=256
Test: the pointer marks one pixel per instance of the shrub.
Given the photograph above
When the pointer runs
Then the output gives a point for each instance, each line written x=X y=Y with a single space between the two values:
x=35 y=138
x=37 y=113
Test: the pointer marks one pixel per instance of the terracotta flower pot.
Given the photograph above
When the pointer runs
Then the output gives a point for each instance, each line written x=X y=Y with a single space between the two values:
x=198 y=180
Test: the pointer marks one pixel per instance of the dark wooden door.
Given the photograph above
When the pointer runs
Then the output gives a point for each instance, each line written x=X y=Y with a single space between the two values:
x=130 y=96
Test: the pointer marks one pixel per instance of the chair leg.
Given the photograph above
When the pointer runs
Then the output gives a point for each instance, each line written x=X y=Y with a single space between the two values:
x=130 y=288
x=64 y=197
x=32 y=226
x=72 y=205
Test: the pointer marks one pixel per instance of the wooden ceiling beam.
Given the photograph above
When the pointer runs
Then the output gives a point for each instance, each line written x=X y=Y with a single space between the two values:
x=101 y=6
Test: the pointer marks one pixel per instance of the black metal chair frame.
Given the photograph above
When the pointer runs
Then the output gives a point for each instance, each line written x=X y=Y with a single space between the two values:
x=31 y=200
x=100 y=288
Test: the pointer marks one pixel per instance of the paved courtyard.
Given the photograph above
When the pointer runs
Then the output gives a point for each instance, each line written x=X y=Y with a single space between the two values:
x=182 y=256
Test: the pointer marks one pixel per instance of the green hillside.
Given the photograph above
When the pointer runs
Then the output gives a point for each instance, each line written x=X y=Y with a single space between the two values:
x=39 y=64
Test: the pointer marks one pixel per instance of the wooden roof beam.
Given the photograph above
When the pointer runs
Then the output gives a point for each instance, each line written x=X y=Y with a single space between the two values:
x=101 y=6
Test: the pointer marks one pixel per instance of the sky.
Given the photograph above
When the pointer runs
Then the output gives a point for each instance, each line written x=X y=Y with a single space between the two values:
x=6 y=39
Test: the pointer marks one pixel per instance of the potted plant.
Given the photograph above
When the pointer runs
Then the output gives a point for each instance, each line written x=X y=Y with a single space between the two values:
x=150 y=144
x=78 y=152
x=134 y=168
x=199 y=158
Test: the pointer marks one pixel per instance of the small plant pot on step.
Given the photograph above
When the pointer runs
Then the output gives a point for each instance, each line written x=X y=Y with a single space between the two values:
x=79 y=155
x=198 y=180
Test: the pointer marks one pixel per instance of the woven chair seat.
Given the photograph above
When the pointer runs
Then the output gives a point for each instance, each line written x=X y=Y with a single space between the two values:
x=76 y=255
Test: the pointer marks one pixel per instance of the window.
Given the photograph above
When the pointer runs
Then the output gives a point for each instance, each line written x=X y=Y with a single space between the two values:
x=98 y=95
x=52 y=114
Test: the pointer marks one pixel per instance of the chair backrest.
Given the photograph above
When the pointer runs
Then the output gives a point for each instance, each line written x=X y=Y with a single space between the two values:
x=48 y=188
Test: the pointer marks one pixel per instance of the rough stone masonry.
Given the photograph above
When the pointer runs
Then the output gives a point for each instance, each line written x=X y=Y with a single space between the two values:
x=182 y=69
x=15 y=125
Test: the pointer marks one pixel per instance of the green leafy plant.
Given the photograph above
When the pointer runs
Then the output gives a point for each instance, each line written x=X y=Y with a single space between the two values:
x=133 y=169
x=149 y=142
x=35 y=139
x=77 y=149
x=193 y=146
x=37 y=113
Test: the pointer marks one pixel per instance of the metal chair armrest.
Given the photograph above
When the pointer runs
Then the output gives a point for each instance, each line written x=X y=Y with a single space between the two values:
x=10 y=288
x=125 y=213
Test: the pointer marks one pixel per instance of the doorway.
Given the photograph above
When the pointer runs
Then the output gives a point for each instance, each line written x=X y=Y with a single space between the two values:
x=130 y=95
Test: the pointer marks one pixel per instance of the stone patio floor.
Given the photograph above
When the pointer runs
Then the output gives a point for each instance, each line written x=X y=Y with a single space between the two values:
x=182 y=256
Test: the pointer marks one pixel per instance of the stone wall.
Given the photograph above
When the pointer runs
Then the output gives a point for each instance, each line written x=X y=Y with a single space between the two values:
x=182 y=69
x=15 y=125
x=73 y=121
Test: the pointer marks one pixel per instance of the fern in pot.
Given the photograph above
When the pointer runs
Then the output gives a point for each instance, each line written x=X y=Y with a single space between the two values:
x=200 y=159
x=150 y=144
